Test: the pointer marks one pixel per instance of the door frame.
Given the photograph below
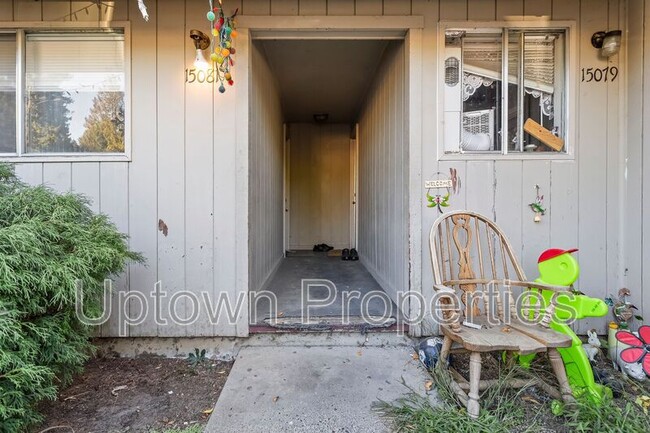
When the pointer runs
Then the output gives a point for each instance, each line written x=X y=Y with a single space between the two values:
x=354 y=188
x=407 y=28
x=286 y=198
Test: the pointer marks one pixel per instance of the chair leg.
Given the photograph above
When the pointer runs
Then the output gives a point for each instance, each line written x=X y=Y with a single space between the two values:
x=558 y=367
x=473 y=407
x=444 y=351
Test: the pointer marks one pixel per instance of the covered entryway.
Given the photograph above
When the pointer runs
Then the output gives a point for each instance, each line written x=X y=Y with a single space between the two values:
x=328 y=165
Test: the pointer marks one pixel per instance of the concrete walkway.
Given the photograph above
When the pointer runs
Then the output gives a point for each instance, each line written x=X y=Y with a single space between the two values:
x=316 y=384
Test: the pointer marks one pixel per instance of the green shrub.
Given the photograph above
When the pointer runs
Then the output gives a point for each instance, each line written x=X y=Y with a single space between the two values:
x=48 y=243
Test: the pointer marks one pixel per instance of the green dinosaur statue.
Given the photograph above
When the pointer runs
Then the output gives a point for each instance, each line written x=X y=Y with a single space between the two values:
x=558 y=267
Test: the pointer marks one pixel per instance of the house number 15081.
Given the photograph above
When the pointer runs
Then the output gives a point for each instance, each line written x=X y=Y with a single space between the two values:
x=194 y=75
x=599 y=74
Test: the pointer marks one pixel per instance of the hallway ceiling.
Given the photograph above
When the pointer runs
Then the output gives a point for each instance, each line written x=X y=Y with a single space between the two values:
x=323 y=76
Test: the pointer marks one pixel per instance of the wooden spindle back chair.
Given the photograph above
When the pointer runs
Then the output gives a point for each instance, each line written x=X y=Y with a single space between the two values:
x=475 y=270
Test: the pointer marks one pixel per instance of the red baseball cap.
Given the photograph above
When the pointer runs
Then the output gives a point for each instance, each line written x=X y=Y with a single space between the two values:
x=554 y=252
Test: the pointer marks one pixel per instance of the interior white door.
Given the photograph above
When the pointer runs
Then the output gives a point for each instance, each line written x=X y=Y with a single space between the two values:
x=320 y=183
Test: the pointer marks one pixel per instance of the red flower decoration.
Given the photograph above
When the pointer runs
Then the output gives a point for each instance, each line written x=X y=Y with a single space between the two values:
x=640 y=350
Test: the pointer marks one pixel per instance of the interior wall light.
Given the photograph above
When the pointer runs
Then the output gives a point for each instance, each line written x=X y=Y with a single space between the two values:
x=201 y=43
x=609 y=43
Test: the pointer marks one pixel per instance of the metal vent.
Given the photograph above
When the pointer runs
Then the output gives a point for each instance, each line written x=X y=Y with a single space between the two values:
x=451 y=71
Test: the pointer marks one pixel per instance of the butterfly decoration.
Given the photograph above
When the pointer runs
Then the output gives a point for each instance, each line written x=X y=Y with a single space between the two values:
x=439 y=201
x=639 y=352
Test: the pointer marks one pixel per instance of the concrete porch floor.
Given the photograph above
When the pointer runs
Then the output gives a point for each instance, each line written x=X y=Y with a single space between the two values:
x=317 y=384
x=347 y=276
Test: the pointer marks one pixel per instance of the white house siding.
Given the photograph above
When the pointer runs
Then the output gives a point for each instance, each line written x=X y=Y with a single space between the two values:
x=636 y=148
x=383 y=174
x=184 y=166
x=266 y=171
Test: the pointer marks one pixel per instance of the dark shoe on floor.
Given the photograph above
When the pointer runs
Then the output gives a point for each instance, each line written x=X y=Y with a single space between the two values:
x=327 y=247
x=354 y=255
x=345 y=254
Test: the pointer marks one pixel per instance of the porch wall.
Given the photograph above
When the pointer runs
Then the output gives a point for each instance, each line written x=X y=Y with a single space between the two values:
x=636 y=148
x=265 y=171
x=383 y=174
x=184 y=161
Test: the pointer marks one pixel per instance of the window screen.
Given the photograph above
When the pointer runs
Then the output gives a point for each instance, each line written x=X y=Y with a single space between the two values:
x=74 y=92
x=7 y=93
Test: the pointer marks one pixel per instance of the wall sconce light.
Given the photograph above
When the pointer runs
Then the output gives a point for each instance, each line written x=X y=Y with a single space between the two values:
x=201 y=42
x=609 y=43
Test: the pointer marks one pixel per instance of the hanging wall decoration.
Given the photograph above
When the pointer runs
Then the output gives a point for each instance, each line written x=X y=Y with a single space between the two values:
x=448 y=184
x=223 y=32
x=143 y=10
x=538 y=205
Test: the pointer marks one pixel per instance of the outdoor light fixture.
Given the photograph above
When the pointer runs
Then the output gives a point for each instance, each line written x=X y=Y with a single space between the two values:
x=321 y=117
x=201 y=42
x=609 y=43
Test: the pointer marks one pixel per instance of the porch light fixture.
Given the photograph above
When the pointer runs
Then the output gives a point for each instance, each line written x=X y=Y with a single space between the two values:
x=609 y=43
x=201 y=42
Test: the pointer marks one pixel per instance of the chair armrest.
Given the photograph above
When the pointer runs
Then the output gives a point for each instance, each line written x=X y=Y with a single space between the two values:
x=453 y=321
x=543 y=286
x=445 y=289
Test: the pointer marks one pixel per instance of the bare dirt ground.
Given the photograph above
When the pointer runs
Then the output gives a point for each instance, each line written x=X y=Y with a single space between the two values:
x=136 y=395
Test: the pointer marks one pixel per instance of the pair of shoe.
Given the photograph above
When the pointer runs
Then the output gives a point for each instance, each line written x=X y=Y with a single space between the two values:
x=322 y=248
x=351 y=254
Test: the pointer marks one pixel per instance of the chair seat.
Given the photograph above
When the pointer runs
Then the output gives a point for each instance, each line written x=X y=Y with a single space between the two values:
x=507 y=337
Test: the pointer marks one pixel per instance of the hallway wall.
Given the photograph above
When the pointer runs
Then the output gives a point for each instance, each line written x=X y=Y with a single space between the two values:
x=383 y=174
x=265 y=171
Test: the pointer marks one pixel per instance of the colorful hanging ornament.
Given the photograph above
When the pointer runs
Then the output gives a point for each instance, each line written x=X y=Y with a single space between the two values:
x=223 y=32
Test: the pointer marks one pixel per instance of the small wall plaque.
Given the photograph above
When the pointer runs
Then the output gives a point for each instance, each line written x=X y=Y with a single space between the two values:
x=440 y=183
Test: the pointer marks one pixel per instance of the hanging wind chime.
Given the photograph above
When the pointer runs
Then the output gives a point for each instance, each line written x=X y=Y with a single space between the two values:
x=223 y=31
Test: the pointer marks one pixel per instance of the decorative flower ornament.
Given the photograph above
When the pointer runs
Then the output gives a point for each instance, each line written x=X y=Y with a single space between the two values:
x=639 y=352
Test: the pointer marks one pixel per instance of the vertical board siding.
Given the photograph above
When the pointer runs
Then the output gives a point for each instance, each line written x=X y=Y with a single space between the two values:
x=383 y=174
x=199 y=181
x=312 y=7
x=592 y=164
x=635 y=202
x=6 y=10
x=286 y=7
x=170 y=57
x=114 y=202
x=183 y=169
x=85 y=180
x=143 y=172
x=266 y=172
x=368 y=7
x=27 y=10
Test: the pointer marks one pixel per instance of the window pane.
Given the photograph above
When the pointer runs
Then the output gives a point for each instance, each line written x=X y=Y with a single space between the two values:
x=481 y=92
x=514 y=95
x=74 y=87
x=7 y=94
x=544 y=89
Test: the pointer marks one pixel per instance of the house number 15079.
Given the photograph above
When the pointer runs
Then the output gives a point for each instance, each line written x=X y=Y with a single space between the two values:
x=599 y=74
x=194 y=75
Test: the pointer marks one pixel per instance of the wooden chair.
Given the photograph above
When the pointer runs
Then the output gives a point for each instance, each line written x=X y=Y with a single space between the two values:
x=475 y=271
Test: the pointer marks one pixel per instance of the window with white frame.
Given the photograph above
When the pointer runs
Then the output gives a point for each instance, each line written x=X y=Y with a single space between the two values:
x=504 y=90
x=62 y=92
